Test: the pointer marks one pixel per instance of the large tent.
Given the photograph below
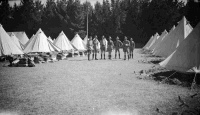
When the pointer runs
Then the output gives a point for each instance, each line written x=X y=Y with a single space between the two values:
x=155 y=39
x=53 y=46
x=78 y=43
x=21 y=36
x=63 y=42
x=16 y=41
x=186 y=58
x=159 y=40
x=174 y=38
x=7 y=45
x=38 y=43
x=148 y=43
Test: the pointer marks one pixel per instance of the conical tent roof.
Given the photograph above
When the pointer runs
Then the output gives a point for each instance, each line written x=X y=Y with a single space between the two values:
x=49 y=38
x=78 y=43
x=85 y=40
x=164 y=33
x=174 y=38
x=21 y=36
x=29 y=40
x=38 y=43
x=63 y=42
x=7 y=45
x=16 y=41
x=156 y=37
x=148 y=43
x=53 y=46
x=186 y=58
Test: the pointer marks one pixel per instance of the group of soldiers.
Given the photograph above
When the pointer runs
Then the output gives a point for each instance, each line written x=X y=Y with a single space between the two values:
x=93 y=47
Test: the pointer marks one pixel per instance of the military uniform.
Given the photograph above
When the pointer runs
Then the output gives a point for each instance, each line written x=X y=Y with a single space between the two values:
x=89 y=47
x=118 y=44
x=132 y=47
x=95 y=48
x=103 y=44
x=110 y=47
x=126 y=45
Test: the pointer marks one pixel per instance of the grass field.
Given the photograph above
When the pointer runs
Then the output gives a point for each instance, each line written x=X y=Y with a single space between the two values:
x=77 y=86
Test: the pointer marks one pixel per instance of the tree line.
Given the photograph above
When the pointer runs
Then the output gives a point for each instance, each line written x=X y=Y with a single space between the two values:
x=139 y=19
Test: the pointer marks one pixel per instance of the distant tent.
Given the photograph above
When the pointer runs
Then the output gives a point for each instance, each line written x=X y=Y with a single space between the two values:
x=186 y=58
x=7 y=45
x=148 y=43
x=49 y=38
x=161 y=42
x=53 y=46
x=16 y=41
x=78 y=43
x=155 y=39
x=29 y=40
x=174 y=38
x=164 y=33
x=38 y=43
x=63 y=42
x=21 y=36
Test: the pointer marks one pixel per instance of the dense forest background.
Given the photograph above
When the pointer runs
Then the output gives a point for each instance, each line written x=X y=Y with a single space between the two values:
x=139 y=19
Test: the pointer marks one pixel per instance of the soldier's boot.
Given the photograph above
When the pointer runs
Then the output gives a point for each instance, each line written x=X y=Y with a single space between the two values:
x=101 y=55
x=104 y=56
x=124 y=56
x=110 y=57
x=88 y=56
x=132 y=55
x=119 y=56
x=92 y=56
x=128 y=56
x=96 y=57
x=115 y=56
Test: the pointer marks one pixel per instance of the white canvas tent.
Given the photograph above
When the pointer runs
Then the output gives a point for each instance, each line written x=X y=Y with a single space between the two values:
x=38 y=43
x=57 y=49
x=155 y=39
x=49 y=38
x=63 y=42
x=7 y=45
x=159 y=40
x=148 y=43
x=78 y=43
x=21 y=36
x=173 y=39
x=186 y=58
x=16 y=41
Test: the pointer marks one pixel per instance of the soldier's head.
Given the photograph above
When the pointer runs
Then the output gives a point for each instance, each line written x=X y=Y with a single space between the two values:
x=90 y=38
x=110 y=38
x=103 y=37
x=125 y=38
x=95 y=36
x=131 y=39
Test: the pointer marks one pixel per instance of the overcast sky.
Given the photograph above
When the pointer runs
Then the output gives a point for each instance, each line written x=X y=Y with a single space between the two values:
x=43 y=1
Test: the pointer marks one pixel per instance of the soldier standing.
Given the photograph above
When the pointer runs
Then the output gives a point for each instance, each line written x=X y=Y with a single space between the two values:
x=110 y=47
x=132 y=47
x=89 y=47
x=118 y=44
x=103 y=44
x=95 y=48
x=126 y=45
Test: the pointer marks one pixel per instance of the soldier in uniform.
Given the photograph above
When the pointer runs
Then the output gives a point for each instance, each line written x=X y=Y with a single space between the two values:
x=95 y=48
x=89 y=47
x=126 y=45
x=110 y=47
x=118 y=44
x=103 y=44
x=132 y=47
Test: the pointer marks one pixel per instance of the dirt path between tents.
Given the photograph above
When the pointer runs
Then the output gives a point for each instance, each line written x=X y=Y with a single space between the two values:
x=80 y=87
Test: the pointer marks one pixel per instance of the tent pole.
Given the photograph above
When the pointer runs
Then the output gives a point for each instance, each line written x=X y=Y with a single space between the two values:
x=193 y=82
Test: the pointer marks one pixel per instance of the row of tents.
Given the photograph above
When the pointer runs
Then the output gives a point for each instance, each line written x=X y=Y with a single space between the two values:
x=180 y=47
x=17 y=43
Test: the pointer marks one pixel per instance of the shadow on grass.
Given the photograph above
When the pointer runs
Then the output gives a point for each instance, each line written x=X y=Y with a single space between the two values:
x=183 y=79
